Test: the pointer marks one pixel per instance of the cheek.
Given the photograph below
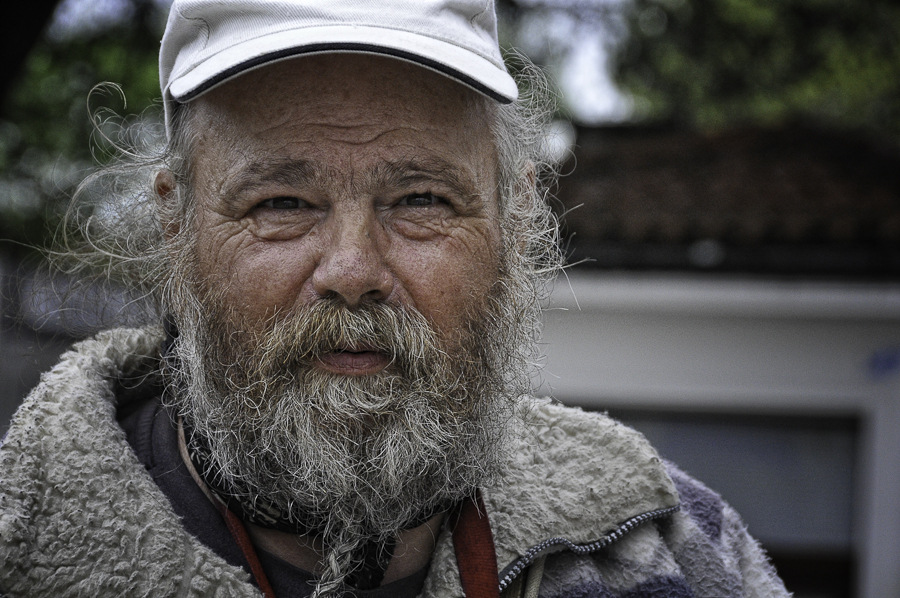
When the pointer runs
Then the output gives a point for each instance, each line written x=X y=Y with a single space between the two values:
x=447 y=280
x=258 y=278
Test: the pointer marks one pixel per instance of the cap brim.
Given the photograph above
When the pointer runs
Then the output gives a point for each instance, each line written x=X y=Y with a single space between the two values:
x=441 y=56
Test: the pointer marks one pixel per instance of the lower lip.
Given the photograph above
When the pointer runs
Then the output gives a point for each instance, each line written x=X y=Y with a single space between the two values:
x=354 y=364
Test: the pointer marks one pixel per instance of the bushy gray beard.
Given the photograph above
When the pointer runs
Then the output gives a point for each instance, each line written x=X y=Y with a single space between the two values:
x=362 y=456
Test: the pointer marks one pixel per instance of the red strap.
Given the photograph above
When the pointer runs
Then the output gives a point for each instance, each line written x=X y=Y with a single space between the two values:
x=240 y=535
x=475 y=555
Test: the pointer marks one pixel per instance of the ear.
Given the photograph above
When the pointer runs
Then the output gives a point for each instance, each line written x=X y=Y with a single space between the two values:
x=167 y=195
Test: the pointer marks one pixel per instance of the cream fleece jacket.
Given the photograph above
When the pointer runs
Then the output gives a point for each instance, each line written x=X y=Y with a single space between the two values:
x=584 y=507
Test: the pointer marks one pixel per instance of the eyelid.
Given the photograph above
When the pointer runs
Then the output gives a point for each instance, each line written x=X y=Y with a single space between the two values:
x=434 y=197
x=270 y=200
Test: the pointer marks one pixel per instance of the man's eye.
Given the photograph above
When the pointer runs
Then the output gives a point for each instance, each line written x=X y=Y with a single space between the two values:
x=282 y=203
x=419 y=200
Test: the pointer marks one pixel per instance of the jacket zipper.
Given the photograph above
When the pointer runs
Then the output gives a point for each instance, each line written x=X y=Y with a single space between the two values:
x=514 y=569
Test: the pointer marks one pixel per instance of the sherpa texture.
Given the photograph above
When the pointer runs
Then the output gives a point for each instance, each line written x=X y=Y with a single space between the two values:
x=578 y=476
x=80 y=516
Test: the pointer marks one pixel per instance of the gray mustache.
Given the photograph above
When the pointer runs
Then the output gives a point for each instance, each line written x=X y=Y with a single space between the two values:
x=328 y=326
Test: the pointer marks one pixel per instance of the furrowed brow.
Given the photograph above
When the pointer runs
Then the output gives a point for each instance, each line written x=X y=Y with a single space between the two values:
x=257 y=174
x=433 y=170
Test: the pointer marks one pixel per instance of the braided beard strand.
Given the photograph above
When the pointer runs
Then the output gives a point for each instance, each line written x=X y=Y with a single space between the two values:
x=353 y=460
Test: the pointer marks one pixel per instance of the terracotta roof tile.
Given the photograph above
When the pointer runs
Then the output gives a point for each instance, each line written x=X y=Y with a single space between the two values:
x=792 y=200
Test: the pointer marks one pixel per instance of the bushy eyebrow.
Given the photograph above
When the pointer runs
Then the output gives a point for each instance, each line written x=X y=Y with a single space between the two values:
x=386 y=175
x=410 y=173
x=257 y=174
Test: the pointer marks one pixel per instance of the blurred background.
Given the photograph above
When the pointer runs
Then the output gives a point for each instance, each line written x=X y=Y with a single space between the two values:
x=731 y=194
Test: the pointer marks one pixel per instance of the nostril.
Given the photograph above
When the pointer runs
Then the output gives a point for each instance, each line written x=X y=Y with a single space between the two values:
x=352 y=264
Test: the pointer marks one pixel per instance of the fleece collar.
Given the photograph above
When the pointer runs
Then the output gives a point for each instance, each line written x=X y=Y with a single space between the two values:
x=78 y=511
x=573 y=477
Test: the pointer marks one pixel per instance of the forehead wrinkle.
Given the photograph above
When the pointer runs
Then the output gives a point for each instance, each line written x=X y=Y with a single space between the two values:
x=353 y=134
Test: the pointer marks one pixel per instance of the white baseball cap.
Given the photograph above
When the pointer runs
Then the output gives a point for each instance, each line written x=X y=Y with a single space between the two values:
x=207 y=42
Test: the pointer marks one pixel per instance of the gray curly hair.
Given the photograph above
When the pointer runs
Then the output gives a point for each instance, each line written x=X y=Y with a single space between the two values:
x=114 y=226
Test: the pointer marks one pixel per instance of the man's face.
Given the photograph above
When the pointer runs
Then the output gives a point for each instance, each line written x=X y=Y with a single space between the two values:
x=352 y=177
x=355 y=356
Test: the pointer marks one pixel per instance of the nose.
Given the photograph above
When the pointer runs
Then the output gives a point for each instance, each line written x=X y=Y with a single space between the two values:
x=352 y=264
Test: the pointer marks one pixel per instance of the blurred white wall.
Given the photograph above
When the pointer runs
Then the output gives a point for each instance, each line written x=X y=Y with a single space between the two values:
x=739 y=349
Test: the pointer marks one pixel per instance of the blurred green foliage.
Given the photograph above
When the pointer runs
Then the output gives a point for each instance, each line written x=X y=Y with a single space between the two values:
x=47 y=141
x=718 y=63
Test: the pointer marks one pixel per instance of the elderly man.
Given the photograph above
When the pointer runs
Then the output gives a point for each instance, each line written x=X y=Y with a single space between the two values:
x=347 y=242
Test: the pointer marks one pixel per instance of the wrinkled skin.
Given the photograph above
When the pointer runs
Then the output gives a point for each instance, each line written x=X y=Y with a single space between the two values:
x=354 y=176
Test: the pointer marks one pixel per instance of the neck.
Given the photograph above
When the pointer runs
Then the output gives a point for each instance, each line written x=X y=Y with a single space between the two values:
x=411 y=553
